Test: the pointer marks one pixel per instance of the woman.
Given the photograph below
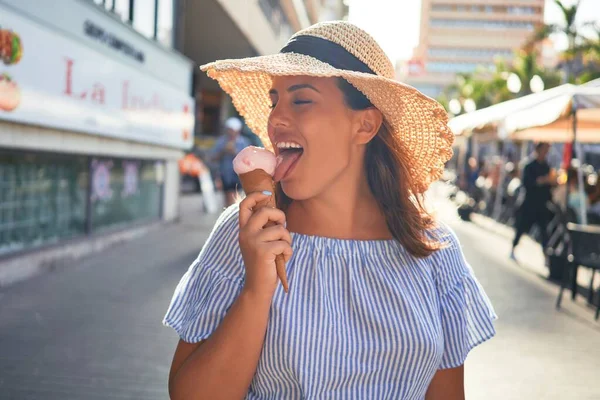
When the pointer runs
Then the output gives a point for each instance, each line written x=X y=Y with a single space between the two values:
x=381 y=304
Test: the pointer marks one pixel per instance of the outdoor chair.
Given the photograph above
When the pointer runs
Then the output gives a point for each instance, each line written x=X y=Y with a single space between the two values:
x=557 y=247
x=584 y=251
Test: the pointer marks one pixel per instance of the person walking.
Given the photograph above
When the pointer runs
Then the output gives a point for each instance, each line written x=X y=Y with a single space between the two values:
x=224 y=151
x=538 y=181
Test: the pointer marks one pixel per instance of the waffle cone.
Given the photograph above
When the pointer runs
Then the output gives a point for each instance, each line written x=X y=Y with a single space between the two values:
x=259 y=181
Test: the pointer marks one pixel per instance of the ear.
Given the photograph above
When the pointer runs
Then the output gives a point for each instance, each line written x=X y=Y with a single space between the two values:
x=369 y=122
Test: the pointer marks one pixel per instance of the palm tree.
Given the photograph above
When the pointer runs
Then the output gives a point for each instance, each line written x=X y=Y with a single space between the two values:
x=590 y=53
x=568 y=28
x=525 y=66
x=487 y=87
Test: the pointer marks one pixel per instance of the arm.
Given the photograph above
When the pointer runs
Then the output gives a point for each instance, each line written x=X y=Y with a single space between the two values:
x=447 y=384
x=466 y=315
x=222 y=367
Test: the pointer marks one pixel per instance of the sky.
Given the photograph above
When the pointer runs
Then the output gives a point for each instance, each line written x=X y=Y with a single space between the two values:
x=395 y=24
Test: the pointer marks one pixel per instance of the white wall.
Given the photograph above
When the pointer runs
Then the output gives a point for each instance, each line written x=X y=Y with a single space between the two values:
x=69 y=16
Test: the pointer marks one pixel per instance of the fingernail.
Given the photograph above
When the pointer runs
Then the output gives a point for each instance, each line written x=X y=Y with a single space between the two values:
x=267 y=193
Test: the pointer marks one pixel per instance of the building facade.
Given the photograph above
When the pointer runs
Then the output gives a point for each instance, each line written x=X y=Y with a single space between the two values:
x=458 y=36
x=100 y=99
x=219 y=29
x=96 y=109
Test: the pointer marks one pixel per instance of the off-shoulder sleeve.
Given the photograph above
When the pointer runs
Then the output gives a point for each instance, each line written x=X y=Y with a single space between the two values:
x=466 y=312
x=211 y=284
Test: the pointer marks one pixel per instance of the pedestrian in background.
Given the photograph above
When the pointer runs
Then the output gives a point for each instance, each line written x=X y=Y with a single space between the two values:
x=594 y=211
x=538 y=180
x=381 y=302
x=229 y=144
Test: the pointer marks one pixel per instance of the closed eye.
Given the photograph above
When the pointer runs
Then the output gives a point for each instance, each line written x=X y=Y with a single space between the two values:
x=297 y=102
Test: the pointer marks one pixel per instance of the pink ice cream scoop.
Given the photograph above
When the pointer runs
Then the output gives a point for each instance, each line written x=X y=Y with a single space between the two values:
x=252 y=158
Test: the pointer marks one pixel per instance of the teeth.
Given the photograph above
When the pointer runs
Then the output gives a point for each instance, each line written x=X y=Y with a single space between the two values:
x=288 y=145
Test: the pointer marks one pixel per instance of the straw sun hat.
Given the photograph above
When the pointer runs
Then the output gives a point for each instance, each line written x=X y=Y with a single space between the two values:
x=340 y=49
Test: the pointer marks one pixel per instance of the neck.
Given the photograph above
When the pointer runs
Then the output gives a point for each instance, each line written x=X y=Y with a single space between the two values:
x=347 y=210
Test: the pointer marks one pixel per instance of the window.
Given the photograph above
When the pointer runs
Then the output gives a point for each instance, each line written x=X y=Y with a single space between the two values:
x=454 y=67
x=45 y=198
x=124 y=191
x=430 y=90
x=521 y=10
x=276 y=17
x=478 y=24
x=466 y=52
x=42 y=199
x=143 y=17
x=122 y=9
x=442 y=7
x=108 y=4
x=164 y=32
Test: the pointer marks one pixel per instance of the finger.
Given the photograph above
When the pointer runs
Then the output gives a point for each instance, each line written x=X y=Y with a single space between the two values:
x=274 y=233
x=287 y=254
x=279 y=247
x=248 y=204
x=260 y=218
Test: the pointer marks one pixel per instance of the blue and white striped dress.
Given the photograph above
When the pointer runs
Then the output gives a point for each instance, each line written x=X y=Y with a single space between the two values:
x=362 y=320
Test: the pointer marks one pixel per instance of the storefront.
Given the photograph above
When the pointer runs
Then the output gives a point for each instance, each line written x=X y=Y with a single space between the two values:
x=93 y=119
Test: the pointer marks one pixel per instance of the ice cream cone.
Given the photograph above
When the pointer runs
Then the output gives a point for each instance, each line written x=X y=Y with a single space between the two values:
x=258 y=181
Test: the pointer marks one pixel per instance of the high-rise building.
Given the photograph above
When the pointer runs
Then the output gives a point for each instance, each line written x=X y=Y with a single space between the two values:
x=458 y=36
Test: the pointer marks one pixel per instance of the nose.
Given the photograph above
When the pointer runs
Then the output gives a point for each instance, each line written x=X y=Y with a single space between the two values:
x=279 y=116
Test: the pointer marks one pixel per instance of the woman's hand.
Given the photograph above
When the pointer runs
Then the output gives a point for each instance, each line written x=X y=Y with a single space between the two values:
x=261 y=244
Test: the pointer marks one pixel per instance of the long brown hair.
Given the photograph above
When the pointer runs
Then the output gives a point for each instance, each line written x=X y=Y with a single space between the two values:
x=387 y=169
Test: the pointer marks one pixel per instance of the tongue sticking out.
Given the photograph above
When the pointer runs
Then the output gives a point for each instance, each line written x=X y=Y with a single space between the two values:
x=286 y=160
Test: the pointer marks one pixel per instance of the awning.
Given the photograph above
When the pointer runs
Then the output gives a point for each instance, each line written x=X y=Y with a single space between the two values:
x=491 y=117
x=551 y=120
x=540 y=116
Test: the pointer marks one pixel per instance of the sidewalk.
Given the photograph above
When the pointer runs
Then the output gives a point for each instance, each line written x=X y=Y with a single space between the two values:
x=538 y=352
x=529 y=253
x=93 y=331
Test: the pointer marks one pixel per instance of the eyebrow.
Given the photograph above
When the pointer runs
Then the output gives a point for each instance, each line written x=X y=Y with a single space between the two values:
x=295 y=88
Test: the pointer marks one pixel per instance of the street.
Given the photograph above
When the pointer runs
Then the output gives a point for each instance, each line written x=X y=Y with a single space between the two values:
x=93 y=330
